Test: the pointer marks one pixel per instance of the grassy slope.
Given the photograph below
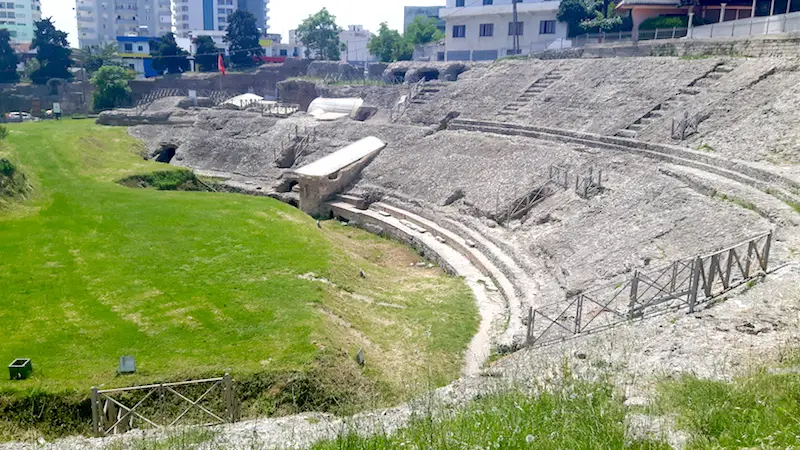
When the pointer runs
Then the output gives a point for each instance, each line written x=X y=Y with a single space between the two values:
x=195 y=283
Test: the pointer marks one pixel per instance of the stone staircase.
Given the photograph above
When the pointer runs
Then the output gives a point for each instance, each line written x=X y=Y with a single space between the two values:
x=535 y=89
x=660 y=110
x=426 y=93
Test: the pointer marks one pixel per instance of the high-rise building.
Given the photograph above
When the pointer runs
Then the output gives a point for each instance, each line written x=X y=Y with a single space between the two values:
x=193 y=17
x=355 y=39
x=18 y=17
x=101 y=21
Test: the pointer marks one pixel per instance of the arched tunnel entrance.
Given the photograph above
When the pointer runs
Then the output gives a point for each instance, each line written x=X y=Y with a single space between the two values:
x=166 y=153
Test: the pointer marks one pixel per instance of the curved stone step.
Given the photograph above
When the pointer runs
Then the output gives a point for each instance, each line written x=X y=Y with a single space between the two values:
x=490 y=302
x=471 y=250
x=770 y=182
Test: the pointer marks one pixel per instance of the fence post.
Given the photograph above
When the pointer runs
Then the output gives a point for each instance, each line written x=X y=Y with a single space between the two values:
x=229 y=397
x=578 y=313
x=694 y=284
x=529 y=337
x=673 y=32
x=712 y=271
x=655 y=36
x=95 y=412
x=765 y=256
x=634 y=294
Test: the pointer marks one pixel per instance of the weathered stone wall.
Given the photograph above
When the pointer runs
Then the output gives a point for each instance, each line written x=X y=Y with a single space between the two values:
x=20 y=97
x=262 y=82
x=762 y=46
x=334 y=69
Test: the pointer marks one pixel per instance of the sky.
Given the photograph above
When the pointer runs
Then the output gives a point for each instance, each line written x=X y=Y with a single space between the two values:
x=284 y=14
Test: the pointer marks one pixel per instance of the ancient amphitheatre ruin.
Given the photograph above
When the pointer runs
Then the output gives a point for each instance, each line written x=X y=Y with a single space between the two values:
x=639 y=212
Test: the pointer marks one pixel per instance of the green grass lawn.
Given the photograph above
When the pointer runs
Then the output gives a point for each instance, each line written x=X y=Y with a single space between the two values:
x=194 y=283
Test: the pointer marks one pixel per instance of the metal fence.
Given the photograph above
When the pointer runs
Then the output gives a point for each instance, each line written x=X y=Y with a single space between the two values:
x=682 y=285
x=201 y=402
x=558 y=176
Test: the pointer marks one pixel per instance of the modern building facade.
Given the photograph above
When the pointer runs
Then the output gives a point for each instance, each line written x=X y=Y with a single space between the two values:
x=484 y=30
x=412 y=12
x=101 y=21
x=18 y=17
x=355 y=39
x=134 y=51
x=192 y=17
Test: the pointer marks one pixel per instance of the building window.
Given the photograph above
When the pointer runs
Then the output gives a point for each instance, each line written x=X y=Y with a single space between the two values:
x=488 y=2
x=459 y=3
x=141 y=48
x=459 y=31
x=487 y=29
x=132 y=67
x=128 y=47
x=520 y=28
x=547 y=27
x=284 y=52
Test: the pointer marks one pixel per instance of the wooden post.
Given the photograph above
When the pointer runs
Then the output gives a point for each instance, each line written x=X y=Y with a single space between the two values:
x=765 y=255
x=95 y=412
x=634 y=294
x=578 y=314
x=694 y=283
x=711 y=274
x=229 y=398
x=529 y=337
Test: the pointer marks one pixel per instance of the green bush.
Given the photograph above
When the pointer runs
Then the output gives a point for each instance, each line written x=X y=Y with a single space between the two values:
x=111 y=87
x=6 y=168
x=665 y=22
x=3 y=132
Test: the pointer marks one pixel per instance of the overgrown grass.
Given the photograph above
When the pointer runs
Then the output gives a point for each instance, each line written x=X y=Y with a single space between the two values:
x=169 y=180
x=194 y=284
x=761 y=409
x=581 y=415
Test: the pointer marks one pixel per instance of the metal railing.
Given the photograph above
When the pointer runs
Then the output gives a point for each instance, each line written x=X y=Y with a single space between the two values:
x=200 y=402
x=294 y=146
x=681 y=285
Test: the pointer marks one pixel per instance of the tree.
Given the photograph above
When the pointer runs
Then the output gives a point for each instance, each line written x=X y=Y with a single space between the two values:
x=573 y=13
x=91 y=59
x=207 y=54
x=388 y=45
x=168 y=57
x=111 y=88
x=242 y=39
x=8 y=59
x=320 y=34
x=423 y=30
x=52 y=51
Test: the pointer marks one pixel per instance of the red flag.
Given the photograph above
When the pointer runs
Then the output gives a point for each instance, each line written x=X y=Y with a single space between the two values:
x=221 y=64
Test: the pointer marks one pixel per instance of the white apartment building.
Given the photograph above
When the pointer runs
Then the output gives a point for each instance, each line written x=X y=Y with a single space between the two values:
x=194 y=17
x=355 y=38
x=101 y=21
x=18 y=16
x=480 y=30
